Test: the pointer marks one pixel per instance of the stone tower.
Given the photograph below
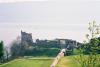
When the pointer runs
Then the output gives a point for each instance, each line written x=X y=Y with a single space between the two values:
x=26 y=38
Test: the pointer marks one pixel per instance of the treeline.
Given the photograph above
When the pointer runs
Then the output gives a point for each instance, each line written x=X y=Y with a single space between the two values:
x=93 y=46
x=4 y=53
x=17 y=50
x=89 y=52
x=47 y=44
x=36 y=49
x=39 y=48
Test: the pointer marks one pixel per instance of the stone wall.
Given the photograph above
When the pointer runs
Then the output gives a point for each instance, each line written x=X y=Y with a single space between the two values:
x=59 y=56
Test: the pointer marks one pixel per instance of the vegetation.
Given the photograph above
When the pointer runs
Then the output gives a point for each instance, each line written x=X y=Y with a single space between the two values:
x=1 y=51
x=15 y=48
x=51 y=52
x=67 y=61
x=39 y=49
x=70 y=61
x=35 y=51
x=90 y=48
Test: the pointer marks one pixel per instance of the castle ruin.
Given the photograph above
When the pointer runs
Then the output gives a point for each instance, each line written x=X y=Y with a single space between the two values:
x=26 y=38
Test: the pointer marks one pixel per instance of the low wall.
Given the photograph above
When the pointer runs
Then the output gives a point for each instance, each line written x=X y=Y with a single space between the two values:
x=59 y=56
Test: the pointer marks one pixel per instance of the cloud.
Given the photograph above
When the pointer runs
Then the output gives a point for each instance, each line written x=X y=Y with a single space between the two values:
x=11 y=1
x=8 y=1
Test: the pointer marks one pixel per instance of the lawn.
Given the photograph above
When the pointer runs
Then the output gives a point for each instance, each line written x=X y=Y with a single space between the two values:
x=34 y=62
x=67 y=61
x=70 y=61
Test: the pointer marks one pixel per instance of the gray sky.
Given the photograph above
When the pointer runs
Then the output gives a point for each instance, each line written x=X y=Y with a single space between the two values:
x=47 y=19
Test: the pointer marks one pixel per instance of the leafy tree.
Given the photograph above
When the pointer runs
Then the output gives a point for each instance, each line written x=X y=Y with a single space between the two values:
x=1 y=51
x=90 y=48
x=15 y=48
x=7 y=54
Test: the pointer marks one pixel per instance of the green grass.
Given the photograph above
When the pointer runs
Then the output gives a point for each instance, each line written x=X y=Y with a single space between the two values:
x=67 y=61
x=29 y=63
x=70 y=61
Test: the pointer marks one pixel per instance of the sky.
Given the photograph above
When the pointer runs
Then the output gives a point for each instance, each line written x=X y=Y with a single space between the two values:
x=47 y=19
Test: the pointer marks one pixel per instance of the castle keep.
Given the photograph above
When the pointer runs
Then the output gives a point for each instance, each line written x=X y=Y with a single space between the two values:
x=26 y=38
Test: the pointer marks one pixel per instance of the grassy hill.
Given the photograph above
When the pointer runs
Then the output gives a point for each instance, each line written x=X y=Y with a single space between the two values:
x=67 y=61
x=33 y=62
x=70 y=61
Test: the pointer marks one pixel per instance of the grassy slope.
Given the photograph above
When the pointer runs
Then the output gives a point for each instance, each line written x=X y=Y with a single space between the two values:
x=28 y=63
x=67 y=62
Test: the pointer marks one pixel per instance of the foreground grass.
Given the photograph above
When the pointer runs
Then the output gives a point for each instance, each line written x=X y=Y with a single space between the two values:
x=70 y=61
x=67 y=61
x=28 y=63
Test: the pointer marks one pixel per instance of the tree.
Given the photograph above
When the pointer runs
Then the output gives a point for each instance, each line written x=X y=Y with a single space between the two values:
x=90 y=48
x=15 y=48
x=6 y=53
x=1 y=51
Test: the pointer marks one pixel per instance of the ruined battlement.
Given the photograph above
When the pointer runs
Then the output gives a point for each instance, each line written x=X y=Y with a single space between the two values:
x=26 y=38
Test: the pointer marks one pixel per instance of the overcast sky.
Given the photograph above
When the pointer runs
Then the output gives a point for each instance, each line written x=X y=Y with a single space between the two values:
x=47 y=19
